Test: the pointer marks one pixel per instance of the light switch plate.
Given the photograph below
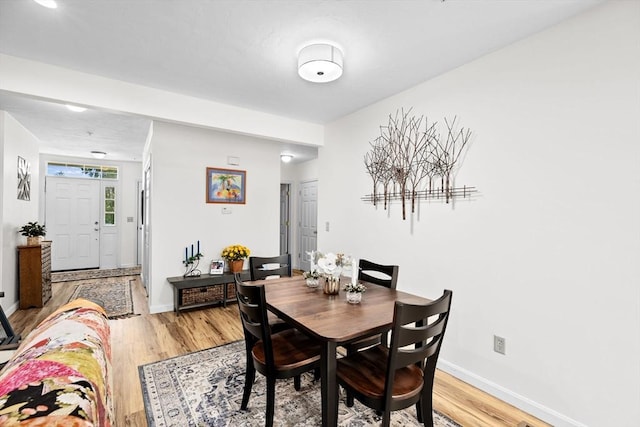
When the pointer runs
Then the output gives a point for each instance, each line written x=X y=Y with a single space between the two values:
x=226 y=210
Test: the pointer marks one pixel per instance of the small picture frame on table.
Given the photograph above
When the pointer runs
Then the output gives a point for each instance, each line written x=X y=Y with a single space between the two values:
x=217 y=266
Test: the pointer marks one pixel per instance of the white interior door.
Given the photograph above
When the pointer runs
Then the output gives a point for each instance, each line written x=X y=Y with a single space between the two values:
x=308 y=221
x=72 y=215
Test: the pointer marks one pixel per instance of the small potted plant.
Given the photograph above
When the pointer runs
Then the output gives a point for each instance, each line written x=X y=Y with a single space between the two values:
x=235 y=255
x=34 y=232
x=312 y=278
x=354 y=292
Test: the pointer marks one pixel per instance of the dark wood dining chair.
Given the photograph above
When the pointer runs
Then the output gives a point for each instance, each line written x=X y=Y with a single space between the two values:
x=276 y=323
x=390 y=378
x=259 y=272
x=389 y=279
x=281 y=355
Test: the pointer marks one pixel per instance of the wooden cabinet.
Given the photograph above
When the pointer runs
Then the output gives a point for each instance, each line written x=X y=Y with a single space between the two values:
x=35 y=274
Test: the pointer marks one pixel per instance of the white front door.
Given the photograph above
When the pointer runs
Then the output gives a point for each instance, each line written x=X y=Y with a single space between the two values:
x=308 y=221
x=72 y=215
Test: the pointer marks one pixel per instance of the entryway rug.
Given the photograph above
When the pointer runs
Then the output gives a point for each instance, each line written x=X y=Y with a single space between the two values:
x=67 y=276
x=205 y=389
x=114 y=296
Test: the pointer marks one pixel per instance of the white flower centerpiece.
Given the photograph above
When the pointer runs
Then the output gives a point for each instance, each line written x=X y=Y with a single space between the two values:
x=330 y=266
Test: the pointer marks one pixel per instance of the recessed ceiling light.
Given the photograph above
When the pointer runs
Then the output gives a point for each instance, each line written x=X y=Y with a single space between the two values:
x=320 y=63
x=286 y=158
x=76 y=108
x=51 y=4
x=98 y=154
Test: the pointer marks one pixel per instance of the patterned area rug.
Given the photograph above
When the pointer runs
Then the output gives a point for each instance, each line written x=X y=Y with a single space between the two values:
x=67 y=276
x=114 y=297
x=205 y=389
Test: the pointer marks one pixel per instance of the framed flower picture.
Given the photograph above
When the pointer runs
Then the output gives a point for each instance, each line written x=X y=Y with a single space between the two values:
x=226 y=186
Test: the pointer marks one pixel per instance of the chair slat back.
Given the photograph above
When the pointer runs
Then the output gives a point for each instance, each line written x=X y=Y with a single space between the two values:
x=253 y=314
x=391 y=271
x=258 y=272
x=416 y=337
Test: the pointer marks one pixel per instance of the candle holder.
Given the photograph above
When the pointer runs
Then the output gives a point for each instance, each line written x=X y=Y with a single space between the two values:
x=191 y=262
x=191 y=265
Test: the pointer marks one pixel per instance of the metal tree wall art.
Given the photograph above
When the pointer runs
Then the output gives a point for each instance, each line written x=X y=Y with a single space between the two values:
x=409 y=155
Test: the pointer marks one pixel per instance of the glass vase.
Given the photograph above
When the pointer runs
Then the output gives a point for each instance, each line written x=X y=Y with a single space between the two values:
x=354 y=297
x=331 y=285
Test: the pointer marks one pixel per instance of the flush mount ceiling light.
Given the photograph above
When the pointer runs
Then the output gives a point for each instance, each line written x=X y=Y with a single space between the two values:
x=75 y=108
x=51 y=4
x=320 y=63
x=98 y=154
x=286 y=158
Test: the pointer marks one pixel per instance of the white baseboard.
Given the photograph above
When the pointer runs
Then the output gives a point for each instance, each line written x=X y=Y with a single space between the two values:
x=160 y=308
x=14 y=307
x=521 y=402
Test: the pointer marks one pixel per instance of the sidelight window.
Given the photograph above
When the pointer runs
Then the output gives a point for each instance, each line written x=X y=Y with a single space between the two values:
x=109 y=205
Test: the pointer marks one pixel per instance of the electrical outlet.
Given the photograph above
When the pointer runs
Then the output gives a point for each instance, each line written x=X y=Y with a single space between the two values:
x=499 y=344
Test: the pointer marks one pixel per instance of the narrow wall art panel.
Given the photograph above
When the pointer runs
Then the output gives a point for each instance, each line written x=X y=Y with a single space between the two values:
x=24 y=179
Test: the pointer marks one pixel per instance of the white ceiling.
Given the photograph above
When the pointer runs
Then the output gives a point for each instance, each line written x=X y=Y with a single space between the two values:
x=244 y=53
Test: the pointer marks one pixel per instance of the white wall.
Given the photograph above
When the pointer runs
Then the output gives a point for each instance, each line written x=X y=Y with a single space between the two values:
x=129 y=173
x=180 y=215
x=296 y=174
x=15 y=141
x=547 y=256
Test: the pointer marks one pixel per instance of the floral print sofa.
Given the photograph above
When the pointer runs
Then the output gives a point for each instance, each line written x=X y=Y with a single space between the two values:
x=59 y=376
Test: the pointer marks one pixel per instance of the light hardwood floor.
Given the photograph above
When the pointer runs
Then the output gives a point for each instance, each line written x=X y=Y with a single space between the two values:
x=151 y=337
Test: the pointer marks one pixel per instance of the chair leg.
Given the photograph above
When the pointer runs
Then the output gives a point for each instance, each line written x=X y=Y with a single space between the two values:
x=424 y=409
x=350 y=351
x=249 y=379
x=386 y=418
x=271 y=397
x=296 y=382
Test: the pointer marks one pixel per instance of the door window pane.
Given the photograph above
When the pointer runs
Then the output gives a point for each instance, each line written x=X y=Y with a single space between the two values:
x=109 y=205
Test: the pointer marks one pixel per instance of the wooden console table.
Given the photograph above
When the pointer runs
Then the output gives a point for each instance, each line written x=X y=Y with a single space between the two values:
x=204 y=290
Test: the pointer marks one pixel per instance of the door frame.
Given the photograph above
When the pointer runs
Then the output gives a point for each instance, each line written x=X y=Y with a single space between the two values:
x=286 y=221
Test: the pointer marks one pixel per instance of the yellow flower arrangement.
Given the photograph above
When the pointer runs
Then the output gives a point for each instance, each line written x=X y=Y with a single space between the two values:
x=235 y=252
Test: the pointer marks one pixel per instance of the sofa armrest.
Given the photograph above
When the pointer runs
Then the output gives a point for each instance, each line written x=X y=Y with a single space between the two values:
x=61 y=371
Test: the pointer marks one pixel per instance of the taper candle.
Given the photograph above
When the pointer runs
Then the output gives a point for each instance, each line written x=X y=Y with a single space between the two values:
x=354 y=271
x=192 y=249
x=198 y=246
x=186 y=254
